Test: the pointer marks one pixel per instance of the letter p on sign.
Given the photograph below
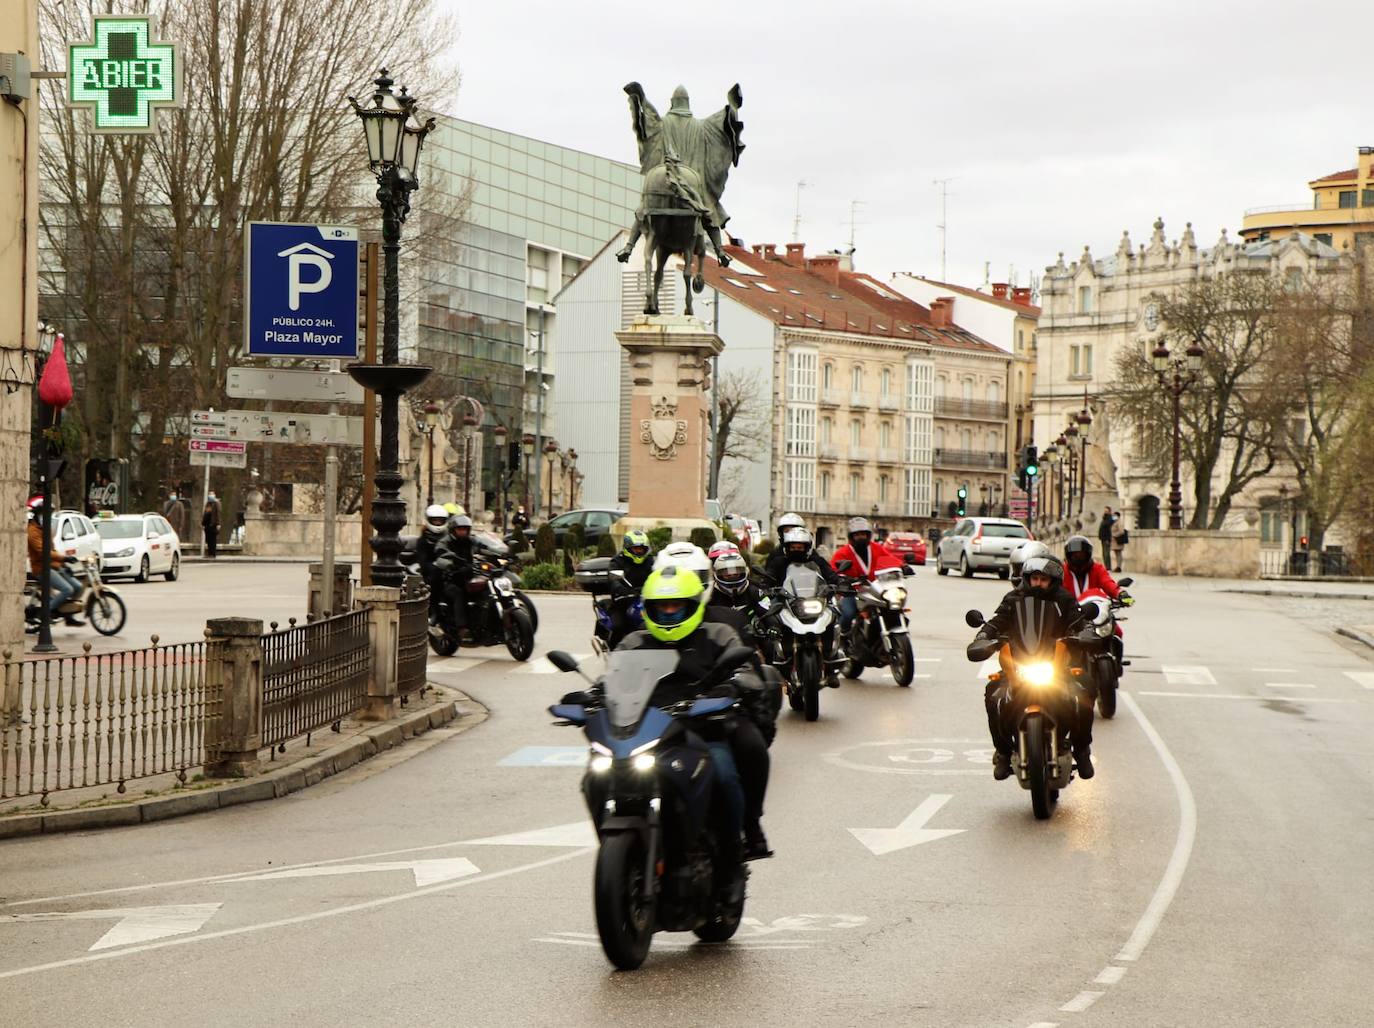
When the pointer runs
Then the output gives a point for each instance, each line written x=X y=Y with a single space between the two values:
x=302 y=256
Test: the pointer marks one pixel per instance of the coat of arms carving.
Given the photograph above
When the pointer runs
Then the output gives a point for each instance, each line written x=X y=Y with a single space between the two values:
x=664 y=432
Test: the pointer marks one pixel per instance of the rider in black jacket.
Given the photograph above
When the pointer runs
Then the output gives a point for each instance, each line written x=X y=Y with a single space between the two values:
x=797 y=548
x=1041 y=579
x=458 y=546
x=634 y=564
x=427 y=548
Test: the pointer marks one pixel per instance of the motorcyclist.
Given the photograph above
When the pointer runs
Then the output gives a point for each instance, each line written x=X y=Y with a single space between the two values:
x=427 y=548
x=674 y=617
x=633 y=563
x=1041 y=579
x=720 y=548
x=866 y=558
x=775 y=567
x=457 y=546
x=64 y=586
x=1083 y=574
x=1022 y=552
x=733 y=588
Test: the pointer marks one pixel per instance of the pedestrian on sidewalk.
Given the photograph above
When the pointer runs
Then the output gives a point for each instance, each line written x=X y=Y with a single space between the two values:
x=1104 y=531
x=1120 y=537
x=209 y=523
x=175 y=513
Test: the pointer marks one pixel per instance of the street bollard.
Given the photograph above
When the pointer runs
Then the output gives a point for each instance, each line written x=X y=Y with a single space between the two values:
x=383 y=604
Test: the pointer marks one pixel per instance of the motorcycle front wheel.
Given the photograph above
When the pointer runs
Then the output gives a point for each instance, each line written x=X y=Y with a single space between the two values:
x=106 y=613
x=809 y=679
x=1106 y=690
x=1037 y=770
x=529 y=606
x=624 y=921
x=442 y=643
x=520 y=635
x=903 y=661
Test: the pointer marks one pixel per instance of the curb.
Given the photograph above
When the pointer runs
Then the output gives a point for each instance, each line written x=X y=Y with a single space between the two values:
x=267 y=786
x=1299 y=595
x=1357 y=635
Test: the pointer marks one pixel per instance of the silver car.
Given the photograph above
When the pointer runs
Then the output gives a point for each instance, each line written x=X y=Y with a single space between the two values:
x=980 y=544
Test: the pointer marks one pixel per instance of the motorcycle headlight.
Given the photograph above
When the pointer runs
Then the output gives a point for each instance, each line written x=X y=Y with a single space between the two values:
x=1037 y=674
x=599 y=764
x=128 y=551
x=643 y=762
x=895 y=596
x=1104 y=630
x=811 y=608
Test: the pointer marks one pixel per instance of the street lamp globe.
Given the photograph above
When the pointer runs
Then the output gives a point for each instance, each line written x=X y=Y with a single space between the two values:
x=500 y=433
x=469 y=426
x=1084 y=418
x=431 y=415
x=384 y=123
x=1160 y=356
x=413 y=138
x=1194 y=355
x=527 y=444
x=1071 y=431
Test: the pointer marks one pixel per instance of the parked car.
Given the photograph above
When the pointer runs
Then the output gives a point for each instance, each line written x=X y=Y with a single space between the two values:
x=979 y=544
x=139 y=545
x=910 y=546
x=73 y=535
x=595 y=524
x=746 y=530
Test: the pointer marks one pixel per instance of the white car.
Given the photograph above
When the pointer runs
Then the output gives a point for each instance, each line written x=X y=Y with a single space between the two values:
x=980 y=544
x=141 y=545
x=73 y=535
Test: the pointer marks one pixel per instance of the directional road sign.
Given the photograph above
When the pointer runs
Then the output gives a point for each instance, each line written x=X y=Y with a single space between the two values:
x=293 y=384
x=215 y=459
x=260 y=426
x=207 y=417
x=123 y=75
x=300 y=287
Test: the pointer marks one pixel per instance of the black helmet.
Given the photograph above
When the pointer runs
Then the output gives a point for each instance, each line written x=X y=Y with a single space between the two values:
x=459 y=521
x=1047 y=565
x=1078 y=552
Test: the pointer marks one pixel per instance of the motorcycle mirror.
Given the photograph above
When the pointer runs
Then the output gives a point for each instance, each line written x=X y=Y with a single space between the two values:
x=908 y=571
x=844 y=565
x=1124 y=582
x=973 y=619
x=562 y=660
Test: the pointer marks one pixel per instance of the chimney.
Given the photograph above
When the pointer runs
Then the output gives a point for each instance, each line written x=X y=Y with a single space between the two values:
x=827 y=267
x=796 y=254
x=999 y=290
x=770 y=251
x=758 y=249
x=1021 y=295
x=941 y=311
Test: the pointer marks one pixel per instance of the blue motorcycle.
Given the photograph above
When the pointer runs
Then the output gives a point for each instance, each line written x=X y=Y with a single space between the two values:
x=666 y=804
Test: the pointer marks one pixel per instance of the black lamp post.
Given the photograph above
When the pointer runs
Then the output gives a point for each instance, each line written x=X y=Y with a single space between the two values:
x=550 y=453
x=394 y=140
x=500 y=433
x=1084 y=421
x=431 y=423
x=572 y=479
x=469 y=431
x=1175 y=375
x=527 y=447
x=1065 y=457
x=52 y=399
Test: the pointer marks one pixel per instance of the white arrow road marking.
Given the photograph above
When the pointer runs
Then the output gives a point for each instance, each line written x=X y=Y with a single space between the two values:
x=911 y=832
x=542 y=666
x=427 y=872
x=1188 y=674
x=575 y=833
x=134 y=924
x=1364 y=678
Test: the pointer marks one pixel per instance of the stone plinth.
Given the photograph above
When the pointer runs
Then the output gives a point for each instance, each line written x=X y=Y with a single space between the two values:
x=670 y=371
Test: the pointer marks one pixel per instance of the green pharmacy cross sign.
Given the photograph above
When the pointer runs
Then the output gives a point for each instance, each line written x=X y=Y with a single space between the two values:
x=122 y=74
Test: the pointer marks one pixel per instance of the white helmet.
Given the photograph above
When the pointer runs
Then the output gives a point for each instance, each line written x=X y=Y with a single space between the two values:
x=789 y=520
x=1022 y=552
x=719 y=549
x=689 y=557
x=435 y=519
x=731 y=573
x=792 y=541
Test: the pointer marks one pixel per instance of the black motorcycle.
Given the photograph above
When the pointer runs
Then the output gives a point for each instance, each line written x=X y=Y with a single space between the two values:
x=497 y=611
x=667 y=861
x=879 y=635
x=806 y=625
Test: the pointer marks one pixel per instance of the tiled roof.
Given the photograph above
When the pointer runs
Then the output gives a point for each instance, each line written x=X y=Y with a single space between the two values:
x=791 y=291
x=1030 y=310
x=1340 y=176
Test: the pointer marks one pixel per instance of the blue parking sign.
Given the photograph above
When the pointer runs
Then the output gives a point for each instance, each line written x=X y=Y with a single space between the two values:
x=300 y=289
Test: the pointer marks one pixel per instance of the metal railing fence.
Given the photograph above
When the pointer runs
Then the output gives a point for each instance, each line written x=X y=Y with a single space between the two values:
x=70 y=722
x=412 y=656
x=313 y=675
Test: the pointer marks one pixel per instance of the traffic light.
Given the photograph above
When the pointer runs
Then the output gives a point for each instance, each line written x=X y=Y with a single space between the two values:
x=963 y=497
x=1032 y=461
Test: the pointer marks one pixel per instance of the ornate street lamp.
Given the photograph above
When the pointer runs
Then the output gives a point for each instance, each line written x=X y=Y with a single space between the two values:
x=527 y=447
x=550 y=454
x=1175 y=375
x=572 y=478
x=469 y=432
x=1065 y=457
x=394 y=138
x=500 y=433
x=431 y=423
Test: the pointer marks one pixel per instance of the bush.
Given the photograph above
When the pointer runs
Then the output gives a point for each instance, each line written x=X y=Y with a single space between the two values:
x=544 y=547
x=606 y=546
x=764 y=547
x=545 y=575
x=703 y=537
x=660 y=537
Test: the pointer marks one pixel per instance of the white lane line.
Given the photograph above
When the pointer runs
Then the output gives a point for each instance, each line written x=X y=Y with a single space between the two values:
x=1364 y=678
x=1183 y=842
x=683 y=944
x=1289 y=685
x=1081 y=1002
x=285 y=922
x=1110 y=975
x=1188 y=674
x=928 y=660
x=1234 y=696
x=1275 y=670
x=1044 y=1024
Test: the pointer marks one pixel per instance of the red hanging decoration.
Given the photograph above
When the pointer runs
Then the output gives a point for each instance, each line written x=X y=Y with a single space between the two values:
x=55 y=386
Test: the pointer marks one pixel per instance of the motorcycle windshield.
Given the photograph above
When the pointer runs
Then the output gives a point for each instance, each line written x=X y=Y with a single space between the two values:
x=803 y=582
x=887 y=577
x=491 y=543
x=630 y=680
x=1036 y=626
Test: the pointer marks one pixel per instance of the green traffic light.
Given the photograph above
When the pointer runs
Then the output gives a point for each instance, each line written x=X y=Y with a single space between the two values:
x=1032 y=470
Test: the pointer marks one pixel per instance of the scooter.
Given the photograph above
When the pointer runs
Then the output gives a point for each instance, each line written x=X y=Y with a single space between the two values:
x=102 y=606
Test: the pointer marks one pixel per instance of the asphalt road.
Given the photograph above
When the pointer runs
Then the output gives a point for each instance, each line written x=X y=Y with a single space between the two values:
x=1215 y=871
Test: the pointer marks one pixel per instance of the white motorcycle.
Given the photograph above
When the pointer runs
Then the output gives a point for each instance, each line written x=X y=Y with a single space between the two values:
x=807 y=639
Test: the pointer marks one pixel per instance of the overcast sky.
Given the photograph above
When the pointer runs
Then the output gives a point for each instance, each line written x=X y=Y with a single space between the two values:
x=1060 y=122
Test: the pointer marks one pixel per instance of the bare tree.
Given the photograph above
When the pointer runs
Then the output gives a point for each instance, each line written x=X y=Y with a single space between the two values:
x=1228 y=419
x=741 y=418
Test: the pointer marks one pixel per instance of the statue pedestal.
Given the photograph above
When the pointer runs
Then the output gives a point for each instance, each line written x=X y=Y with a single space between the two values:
x=670 y=371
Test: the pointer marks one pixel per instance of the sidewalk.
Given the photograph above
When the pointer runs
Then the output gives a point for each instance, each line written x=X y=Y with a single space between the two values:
x=157 y=798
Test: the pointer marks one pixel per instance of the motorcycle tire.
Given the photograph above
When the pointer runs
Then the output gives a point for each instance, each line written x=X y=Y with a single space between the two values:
x=1037 y=770
x=853 y=669
x=903 y=661
x=723 y=926
x=624 y=923
x=809 y=679
x=443 y=644
x=520 y=635
x=1106 y=699
x=106 y=613
x=529 y=606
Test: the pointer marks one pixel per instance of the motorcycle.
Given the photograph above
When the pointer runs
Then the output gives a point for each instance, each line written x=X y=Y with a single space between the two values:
x=498 y=612
x=807 y=621
x=667 y=862
x=102 y=607
x=606 y=584
x=1106 y=653
x=1043 y=695
x=879 y=635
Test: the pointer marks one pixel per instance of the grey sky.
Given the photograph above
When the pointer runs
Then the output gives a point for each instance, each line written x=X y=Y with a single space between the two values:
x=1060 y=122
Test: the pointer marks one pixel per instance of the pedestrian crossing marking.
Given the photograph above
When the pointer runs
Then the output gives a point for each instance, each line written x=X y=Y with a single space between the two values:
x=1289 y=685
x=1188 y=674
x=1364 y=678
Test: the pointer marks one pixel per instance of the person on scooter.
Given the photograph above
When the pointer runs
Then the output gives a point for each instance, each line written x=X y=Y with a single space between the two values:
x=427 y=548
x=1042 y=580
x=1084 y=574
x=866 y=558
x=457 y=545
x=674 y=617
x=64 y=586
x=633 y=562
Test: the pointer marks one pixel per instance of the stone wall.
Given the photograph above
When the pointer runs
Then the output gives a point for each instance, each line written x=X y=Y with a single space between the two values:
x=301 y=535
x=1198 y=554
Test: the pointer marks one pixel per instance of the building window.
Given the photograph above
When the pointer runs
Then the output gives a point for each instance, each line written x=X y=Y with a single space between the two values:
x=799 y=484
x=827 y=428
x=917 y=442
x=994 y=392
x=994 y=443
x=940 y=438
x=1271 y=522
x=1020 y=340
x=966 y=438
x=883 y=482
x=1081 y=360
x=827 y=375
x=799 y=438
x=968 y=390
x=940 y=387
x=1367 y=198
x=1346 y=198
x=917 y=488
x=825 y=485
x=920 y=377
x=801 y=375
x=1324 y=237
x=1085 y=299
x=856 y=432
x=1292 y=280
x=854 y=479
x=856 y=378
x=886 y=382
x=885 y=434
